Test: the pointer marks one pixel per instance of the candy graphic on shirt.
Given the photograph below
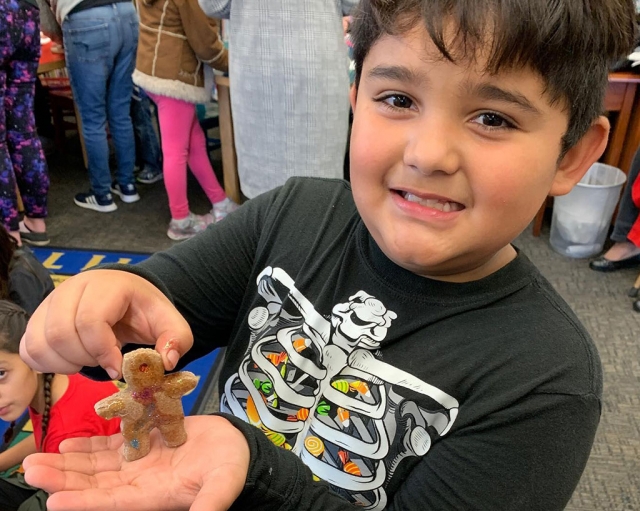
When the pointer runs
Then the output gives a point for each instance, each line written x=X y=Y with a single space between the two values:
x=341 y=385
x=301 y=344
x=352 y=468
x=277 y=438
x=150 y=400
x=360 y=387
x=343 y=417
x=314 y=445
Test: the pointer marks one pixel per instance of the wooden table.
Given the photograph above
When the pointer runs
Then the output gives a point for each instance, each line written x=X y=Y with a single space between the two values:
x=227 y=140
x=50 y=61
x=622 y=97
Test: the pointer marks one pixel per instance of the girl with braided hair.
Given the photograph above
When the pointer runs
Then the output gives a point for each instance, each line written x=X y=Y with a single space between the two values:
x=60 y=407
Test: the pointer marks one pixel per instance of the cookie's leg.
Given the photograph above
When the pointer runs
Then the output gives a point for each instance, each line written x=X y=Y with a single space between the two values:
x=174 y=433
x=136 y=442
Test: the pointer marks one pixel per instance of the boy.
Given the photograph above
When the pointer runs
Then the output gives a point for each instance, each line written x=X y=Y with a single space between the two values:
x=389 y=336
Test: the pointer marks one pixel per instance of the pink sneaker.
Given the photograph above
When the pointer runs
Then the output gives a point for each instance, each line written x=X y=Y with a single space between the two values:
x=223 y=208
x=188 y=227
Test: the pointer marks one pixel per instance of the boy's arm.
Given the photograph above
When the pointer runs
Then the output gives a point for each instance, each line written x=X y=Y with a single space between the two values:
x=530 y=456
x=15 y=454
x=203 y=35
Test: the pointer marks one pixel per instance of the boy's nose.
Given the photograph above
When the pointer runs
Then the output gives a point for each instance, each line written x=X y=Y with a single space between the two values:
x=432 y=147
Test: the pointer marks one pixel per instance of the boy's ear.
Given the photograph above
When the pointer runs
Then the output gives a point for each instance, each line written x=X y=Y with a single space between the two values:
x=580 y=157
x=353 y=96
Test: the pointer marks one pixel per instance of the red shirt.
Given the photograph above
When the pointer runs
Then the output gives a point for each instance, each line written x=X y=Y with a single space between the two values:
x=73 y=415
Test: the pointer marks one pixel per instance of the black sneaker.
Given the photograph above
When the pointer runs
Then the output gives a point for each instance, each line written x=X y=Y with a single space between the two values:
x=148 y=176
x=101 y=203
x=127 y=193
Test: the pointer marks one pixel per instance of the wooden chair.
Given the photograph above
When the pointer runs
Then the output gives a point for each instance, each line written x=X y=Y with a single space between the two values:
x=64 y=112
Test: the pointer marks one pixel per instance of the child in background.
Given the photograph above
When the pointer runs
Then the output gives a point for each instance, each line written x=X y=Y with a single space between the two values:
x=177 y=44
x=22 y=161
x=387 y=346
x=60 y=406
x=23 y=279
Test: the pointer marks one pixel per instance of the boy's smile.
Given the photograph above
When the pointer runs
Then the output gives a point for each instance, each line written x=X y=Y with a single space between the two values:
x=448 y=163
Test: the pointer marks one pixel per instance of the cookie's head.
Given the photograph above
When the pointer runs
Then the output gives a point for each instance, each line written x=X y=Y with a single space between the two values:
x=143 y=368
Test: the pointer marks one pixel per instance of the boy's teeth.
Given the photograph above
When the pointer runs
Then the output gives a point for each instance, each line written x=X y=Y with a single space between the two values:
x=444 y=206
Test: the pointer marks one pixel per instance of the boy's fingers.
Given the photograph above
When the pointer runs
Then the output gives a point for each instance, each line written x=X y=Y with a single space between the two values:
x=60 y=330
x=172 y=347
x=91 y=444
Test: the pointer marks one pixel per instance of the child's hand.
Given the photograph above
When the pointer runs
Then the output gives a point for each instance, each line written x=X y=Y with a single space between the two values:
x=89 y=317
x=207 y=473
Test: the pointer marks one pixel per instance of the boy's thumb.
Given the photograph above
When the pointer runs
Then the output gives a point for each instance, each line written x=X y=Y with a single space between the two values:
x=172 y=347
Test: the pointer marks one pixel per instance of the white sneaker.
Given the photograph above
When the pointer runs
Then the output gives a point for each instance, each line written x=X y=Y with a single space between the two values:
x=223 y=208
x=186 y=228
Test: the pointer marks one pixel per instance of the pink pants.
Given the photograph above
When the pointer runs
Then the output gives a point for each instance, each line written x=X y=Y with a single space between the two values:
x=183 y=142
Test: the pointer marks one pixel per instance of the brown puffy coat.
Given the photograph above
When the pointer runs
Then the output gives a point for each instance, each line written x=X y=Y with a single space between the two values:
x=176 y=41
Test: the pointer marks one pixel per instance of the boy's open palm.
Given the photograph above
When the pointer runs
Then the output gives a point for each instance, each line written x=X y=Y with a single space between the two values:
x=89 y=317
x=207 y=473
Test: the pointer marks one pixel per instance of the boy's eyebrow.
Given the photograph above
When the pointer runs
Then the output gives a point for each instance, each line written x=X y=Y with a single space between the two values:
x=492 y=92
x=398 y=73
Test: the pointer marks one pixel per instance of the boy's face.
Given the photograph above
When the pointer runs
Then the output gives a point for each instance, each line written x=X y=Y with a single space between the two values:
x=449 y=165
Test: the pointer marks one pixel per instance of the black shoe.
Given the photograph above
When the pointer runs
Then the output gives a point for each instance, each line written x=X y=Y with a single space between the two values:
x=604 y=265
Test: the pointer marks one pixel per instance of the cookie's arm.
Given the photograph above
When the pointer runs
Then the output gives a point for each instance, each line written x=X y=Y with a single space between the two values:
x=110 y=407
x=178 y=384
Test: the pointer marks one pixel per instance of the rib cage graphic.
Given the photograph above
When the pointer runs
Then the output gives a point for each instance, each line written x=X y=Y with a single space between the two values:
x=315 y=387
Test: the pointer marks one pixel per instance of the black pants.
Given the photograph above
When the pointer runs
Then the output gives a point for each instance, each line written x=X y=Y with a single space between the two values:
x=12 y=496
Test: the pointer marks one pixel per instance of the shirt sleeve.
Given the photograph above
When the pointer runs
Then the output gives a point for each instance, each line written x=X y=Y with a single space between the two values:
x=203 y=35
x=207 y=276
x=528 y=457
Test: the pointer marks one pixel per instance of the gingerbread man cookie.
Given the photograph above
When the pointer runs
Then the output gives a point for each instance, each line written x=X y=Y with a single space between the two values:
x=150 y=400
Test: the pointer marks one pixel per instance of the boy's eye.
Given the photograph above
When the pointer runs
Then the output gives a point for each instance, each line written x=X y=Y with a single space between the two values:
x=493 y=121
x=397 y=101
x=2 y=374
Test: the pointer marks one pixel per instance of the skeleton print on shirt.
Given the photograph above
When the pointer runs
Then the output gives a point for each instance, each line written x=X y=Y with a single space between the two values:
x=317 y=386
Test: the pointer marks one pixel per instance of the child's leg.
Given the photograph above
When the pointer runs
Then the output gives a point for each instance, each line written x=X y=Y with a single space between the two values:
x=8 y=200
x=175 y=118
x=200 y=164
x=29 y=164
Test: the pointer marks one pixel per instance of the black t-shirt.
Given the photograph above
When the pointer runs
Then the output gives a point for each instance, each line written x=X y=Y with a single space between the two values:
x=359 y=383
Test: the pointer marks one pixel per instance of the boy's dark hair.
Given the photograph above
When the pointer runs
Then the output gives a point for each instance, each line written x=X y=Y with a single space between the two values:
x=571 y=44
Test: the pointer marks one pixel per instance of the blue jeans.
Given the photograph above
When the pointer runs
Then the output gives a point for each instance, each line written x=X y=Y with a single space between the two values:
x=100 y=50
x=147 y=145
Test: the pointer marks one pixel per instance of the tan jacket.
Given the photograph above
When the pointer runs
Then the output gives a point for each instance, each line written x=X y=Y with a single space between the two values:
x=176 y=41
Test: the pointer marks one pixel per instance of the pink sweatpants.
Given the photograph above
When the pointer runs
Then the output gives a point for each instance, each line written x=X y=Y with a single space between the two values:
x=183 y=142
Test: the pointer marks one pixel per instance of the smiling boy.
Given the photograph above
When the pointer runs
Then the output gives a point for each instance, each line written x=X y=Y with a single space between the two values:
x=387 y=346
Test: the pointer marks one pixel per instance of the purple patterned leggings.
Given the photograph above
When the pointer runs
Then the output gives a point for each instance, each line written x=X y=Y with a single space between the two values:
x=21 y=156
